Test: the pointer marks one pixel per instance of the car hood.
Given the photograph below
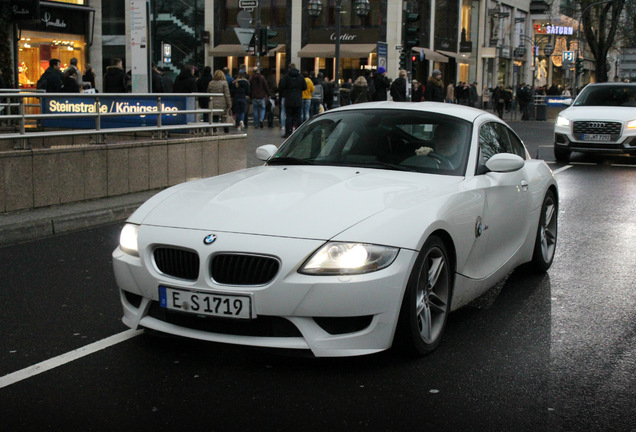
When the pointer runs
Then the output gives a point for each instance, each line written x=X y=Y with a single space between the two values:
x=594 y=113
x=291 y=201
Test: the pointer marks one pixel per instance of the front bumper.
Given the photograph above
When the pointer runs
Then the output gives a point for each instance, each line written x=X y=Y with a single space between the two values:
x=329 y=315
x=620 y=144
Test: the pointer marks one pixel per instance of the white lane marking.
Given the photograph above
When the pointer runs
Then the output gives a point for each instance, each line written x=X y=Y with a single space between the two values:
x=63 y=359
x=556 y=171
x=623 y=165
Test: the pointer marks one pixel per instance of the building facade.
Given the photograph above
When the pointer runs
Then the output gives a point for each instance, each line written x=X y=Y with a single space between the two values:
x=490 y=42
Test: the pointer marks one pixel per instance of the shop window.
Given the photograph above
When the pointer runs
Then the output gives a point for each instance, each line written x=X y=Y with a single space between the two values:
x=35 y=49
x=77 y=2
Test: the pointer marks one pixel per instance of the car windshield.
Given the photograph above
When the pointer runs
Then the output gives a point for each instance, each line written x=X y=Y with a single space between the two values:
x=608 y=95
x=401 y=140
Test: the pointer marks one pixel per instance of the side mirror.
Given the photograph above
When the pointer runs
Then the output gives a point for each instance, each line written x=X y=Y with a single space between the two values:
x=567 y=102
x=265 y=152
x=505 y=162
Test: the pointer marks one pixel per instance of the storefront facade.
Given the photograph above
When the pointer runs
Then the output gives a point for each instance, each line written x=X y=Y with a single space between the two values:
x=50 y=29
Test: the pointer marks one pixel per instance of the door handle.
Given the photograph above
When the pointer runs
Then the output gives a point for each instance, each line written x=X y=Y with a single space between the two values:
x=524 y=185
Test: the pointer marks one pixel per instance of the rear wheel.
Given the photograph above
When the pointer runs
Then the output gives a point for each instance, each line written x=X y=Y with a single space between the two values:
x=545 y=243
x=426 y=302
x=561 y=154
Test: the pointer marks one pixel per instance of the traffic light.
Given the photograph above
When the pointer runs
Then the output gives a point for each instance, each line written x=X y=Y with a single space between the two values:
x=403 y=59
x=578 y=66
x=264 y=37
x=414 y=60
x=411 y=31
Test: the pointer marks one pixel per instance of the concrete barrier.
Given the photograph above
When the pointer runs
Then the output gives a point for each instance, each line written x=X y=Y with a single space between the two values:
x=44 y=177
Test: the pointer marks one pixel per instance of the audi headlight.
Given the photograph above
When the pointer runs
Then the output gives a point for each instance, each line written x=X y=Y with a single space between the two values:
x=128 y=239
x=336 y=258
x=562 y=121
x=631 y=124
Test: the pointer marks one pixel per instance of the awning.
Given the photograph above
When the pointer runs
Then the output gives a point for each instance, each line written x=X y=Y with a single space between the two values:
x=329 y=50
x=226 y=50
x=273 y=51
x=429 y=54
x=236 y=50
x=459 y=57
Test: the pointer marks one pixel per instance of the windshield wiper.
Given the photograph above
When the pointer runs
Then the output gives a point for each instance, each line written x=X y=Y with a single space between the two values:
x=380 y=164
x=288 y=161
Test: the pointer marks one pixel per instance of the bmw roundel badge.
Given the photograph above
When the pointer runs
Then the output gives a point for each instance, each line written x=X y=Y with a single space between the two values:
x=478 y=227
x=209 y=239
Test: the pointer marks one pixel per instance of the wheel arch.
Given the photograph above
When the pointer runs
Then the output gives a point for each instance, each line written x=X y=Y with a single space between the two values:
x=446 y=238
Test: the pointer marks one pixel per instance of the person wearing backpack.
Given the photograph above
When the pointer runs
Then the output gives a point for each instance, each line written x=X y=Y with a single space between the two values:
x=51 y=79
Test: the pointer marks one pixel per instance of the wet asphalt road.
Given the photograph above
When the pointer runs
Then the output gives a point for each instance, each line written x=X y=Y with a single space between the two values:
x=555 y=352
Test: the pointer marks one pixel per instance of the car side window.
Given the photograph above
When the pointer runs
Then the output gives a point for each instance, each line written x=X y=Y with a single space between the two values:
x=516 y=146
x=488 y=142
x=495 y=138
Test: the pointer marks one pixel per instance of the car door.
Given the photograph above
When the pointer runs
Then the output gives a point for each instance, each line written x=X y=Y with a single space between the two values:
x=507 y=198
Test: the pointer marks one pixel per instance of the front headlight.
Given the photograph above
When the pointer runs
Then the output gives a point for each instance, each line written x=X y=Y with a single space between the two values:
x=562 y=121
x=631 y=124
x=335 y=258
x=128 y=239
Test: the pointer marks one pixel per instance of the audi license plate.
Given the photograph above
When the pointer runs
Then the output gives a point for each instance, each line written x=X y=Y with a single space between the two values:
x=597 y=137
x=197 y=302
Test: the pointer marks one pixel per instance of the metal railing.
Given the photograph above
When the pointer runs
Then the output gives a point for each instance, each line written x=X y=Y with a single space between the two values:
x=18 y=109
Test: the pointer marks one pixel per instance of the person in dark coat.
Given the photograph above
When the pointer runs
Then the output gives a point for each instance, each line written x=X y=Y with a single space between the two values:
x=241 y=90
x=291 y=87
x=202 y=87
x=434 y=91
x=115 y=78
x=360 y=92
x=398 y=88
x=157 y=80
x=499 y=96
x=89 y=76
x=382 y=84
x=69 y=81
x=418 y=92
x=524 y=96
x=52 y=77
x=185 y=82
x=259 y=92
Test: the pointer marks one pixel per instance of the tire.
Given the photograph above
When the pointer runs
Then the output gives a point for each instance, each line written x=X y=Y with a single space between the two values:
x=426 y=302
x=546 y=240
x=561 y=155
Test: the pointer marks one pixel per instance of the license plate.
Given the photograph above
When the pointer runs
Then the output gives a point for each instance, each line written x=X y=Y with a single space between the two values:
x=597 y=137
x=197 y=302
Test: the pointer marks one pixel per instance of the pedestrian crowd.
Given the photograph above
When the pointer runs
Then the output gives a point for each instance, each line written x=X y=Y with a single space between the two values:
x=298 y=96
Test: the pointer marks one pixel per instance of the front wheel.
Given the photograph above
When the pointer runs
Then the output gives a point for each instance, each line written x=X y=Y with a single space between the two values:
x=426 y=302
x=545 y=243
x=561 y=155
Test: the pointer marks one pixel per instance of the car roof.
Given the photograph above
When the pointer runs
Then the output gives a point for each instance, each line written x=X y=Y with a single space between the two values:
x=455 y=110
x=611 y=84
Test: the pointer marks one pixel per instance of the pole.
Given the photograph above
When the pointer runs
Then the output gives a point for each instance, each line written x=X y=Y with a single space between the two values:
x=257 y=36
x=336 y=91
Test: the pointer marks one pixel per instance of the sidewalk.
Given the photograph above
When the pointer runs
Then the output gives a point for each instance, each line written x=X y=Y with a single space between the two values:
x=28 y=225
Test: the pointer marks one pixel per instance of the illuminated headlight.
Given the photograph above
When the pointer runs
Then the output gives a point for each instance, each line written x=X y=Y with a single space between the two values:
x=348 y=258
x=631 y=124
x=128 y=239
x=562 y=121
